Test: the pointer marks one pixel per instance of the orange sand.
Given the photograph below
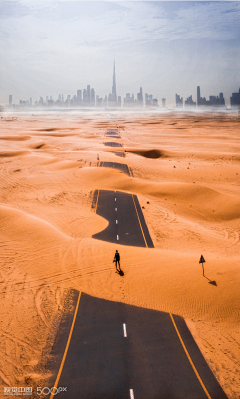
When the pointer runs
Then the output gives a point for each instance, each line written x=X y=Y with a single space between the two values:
x=187 y=167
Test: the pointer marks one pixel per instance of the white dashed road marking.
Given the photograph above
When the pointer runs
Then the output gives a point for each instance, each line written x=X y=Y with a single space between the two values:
x=131 y=394
x=116 y=221
x=117 y=237
x=116 y=209
x=124 y=330
x=115 y=199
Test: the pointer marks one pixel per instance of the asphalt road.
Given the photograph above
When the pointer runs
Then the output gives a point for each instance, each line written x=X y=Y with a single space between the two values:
x=110 y=350
x=112 y=131
x=115 y=165
x=112 y=144
x=119 y=351
x=113 y=136
x=127 y=225
x=119 y=154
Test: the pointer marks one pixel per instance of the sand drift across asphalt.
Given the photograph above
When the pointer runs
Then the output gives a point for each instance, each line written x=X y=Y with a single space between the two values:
x=118 y=351
x=127 y=225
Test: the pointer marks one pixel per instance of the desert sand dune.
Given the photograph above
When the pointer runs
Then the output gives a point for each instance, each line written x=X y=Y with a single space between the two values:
x=186 y=174
x=150 y=153
x=39 y=145
x=63 y=165
x=204 y=200
x=52 y=129
x=54 y=134
x=207 y=156
x=7 y=154
x=15 y=138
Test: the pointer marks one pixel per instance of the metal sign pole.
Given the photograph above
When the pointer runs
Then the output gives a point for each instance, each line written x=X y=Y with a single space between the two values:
x=202 y=260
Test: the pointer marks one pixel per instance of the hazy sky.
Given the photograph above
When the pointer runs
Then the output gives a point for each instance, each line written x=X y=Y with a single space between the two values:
x=51 y=47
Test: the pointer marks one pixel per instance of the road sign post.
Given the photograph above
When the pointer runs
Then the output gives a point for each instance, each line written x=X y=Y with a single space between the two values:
x=202 y=260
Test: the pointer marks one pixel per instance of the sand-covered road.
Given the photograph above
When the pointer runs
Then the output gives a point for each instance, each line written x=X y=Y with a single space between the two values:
x=186 y=174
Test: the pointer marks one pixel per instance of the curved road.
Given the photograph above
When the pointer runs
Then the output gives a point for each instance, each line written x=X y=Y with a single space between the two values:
x=110 y=350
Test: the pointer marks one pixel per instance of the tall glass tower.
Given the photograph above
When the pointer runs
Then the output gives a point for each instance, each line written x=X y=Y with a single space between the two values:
x=112 y=97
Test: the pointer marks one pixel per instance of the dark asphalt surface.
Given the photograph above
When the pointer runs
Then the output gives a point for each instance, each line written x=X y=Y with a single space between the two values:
x=120 y=154
x=112 y=144
x=150 y=361
x=115 y=165
x=125 y=209
x=103 y=364
x=112 y=131
x=113 y=136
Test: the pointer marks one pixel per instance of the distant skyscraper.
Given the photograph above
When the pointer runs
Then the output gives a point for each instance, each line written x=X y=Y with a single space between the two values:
x=129 y=100
x=163 y=102
x=140 y=97
x=10 y=99
x=189 y=102
x=235 y=99
x=79 y=95
x=105 y=101
x=88 y=93
x=112 y=98
x=99 y=101
x=198 y=95
x=179 y=101
x=150 y=101
x=30 y=102
x=92 y=98
x=214 y=101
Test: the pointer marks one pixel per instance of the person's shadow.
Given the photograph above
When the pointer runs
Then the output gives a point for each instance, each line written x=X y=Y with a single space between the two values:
x=120 y=272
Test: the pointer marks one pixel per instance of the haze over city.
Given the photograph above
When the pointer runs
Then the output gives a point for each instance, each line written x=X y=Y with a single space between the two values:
x=164 y=47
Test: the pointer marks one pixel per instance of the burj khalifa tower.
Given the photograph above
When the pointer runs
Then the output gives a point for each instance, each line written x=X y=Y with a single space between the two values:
x=112 y=98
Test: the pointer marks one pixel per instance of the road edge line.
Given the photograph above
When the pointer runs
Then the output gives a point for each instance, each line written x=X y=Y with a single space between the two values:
x=97 y=202
x=139 y=222
x=66 y=349
x=189 y=358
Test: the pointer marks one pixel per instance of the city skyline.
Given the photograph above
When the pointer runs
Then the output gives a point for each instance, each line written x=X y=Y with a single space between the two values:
x=163 y=47
x=88 y=98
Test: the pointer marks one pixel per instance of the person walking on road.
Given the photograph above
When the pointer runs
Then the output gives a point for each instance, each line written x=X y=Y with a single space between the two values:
x=117 y=260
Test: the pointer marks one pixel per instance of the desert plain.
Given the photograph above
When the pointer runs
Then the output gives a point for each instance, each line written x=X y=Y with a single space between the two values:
x=186 y=174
